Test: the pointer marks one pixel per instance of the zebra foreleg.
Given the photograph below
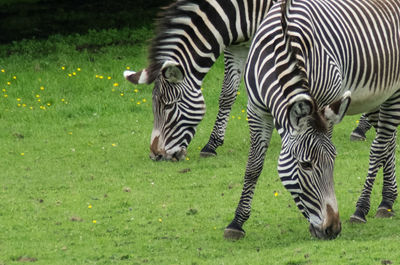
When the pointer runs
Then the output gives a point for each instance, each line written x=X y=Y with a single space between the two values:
x=389 y=190
x=382 y=154
x=233 y=71
x=260 y=137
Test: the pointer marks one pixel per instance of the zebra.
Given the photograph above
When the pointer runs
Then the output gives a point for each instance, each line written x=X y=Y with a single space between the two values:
x=358 y=134
x=191 y=34
x=310 y=63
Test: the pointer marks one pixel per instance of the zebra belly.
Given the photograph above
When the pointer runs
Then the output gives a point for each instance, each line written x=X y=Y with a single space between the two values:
x=365 y=99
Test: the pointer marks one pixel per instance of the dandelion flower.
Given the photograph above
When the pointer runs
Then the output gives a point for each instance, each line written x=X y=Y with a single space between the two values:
x=62 y=67
x=24 y=105
x=22 y=154
x=276 y=194
x=19 y=105
x=122 y=94
x=114 y=145
x=69 y=75
x=4 y=90
x=160 y=220
x=90 y=206
x=144 y=100
x=389 y=210
x=31 y=108
x=243 y=110
x=14 y=77
x=138 y=103
x=42 y=88
x=18 y=99
x=94 y=221
x=116 y=84
x=357 y=121
x=49 y=104
x=6 y=96
x=8 y=83
x=38 y=100
x=136 y=90
x=74 y=73
x=101 y=77
x=62 y=100
x=187 y=158
x=37 y=95
x=109 y=77
x=2 y=70
x=238 y=93
x=97 y=76
x=78 y=69
x=128 y=68
x=239 y=118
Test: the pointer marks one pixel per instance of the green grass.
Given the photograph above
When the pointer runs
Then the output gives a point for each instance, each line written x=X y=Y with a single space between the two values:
x=77 y=186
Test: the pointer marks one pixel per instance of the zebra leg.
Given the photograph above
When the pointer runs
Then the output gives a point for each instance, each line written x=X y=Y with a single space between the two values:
x=234 y=63
x=382 y=154
x=389 y=190
x=362 y=128
x=260 y=133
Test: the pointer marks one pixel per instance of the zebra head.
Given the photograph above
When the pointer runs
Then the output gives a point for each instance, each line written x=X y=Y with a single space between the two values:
x=307 y=159
x=178 y=107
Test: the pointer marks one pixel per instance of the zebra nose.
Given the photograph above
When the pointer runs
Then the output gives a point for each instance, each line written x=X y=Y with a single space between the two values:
x=333 y=226
x=333 y=230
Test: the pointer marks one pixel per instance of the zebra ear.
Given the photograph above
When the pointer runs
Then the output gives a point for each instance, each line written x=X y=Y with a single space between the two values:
x=140 y=77
x=172 y=72
x=300 y=109
x=335 y=112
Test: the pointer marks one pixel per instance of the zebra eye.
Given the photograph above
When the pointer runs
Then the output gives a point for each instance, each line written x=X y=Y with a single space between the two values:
x=306 y=165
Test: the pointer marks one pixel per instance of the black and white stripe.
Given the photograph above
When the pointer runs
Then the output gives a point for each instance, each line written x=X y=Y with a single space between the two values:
x=306 y=58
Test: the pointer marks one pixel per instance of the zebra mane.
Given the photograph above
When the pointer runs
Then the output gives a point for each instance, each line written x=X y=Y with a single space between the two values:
x=293 y=52
x=166 y=19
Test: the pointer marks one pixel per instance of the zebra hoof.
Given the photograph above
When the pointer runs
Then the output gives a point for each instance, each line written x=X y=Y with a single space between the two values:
x=384 y=213
x=357 y=135
x=207 y=152
x=233 y=234
x=354 y=219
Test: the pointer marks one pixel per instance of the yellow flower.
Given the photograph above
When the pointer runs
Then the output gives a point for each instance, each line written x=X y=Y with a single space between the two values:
x=37 y=95
x=144 y=100
x=19 y=105
x=69 y=75
x=78 y=69
x=357 y=121
x=187 y=158
x=136 y=90
x=109 y=77
x=114 y=145
x=242 y=110
x=2 y=70
x=24 y=105
x=389 y=210
x=4 y=90
x=14 y=77
x=70 y=133
x=160 y=220
x=113 y=90
x=42 y=88
x=18 y=99
x=73 y=73
x=30 y=107
x=38 y=100
x=138 y=103
x=127 y=68
x=101 y=77
x=22 y=154
x=90 y=206
x=62 y=100
x=94 y=221
x=97 y=76
x=122 y=94
x=62 y=67
x=49 y=104
x=238 y=92
x=239 y=118
x=8 y=83
x=116 y=84
x=276 y=194
x=6 y=96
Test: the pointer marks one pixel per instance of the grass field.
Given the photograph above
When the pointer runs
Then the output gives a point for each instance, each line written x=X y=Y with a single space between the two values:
x=77 y=186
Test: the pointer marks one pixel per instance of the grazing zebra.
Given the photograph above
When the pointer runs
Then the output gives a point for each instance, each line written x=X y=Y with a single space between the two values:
x=191 y=35
x=306 y=59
